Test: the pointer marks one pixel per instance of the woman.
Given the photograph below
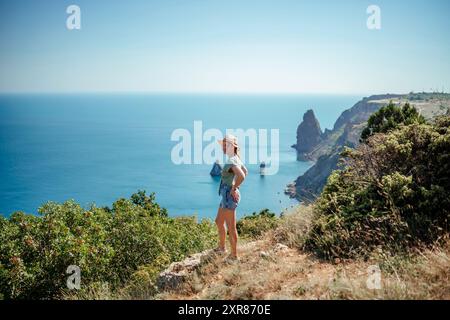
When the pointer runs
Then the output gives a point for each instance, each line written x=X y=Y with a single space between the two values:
x=232 y=176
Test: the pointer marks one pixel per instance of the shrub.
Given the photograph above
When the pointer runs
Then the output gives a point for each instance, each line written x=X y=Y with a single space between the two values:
x=257 y=224
x=109 y=245
x=391 y=117
x=393 y=193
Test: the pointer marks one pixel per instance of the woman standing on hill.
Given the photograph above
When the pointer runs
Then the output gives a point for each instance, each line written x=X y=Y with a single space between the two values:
x=233 y=174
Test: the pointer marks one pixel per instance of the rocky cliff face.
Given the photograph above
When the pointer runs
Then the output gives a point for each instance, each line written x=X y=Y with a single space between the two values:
x=347 y=131
x=362 y=110
x=347 y=126
x=309 y=135
x=310 y=185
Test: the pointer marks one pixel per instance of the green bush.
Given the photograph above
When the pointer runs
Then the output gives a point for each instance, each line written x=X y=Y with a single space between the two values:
x=109 y=245
x=394 y=193
x=257 y=224
x=391 y=117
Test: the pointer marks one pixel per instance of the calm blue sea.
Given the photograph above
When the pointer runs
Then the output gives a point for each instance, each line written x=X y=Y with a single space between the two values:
x=98 y=148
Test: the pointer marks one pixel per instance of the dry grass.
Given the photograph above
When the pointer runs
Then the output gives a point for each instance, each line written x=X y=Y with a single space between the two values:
x=294 y=226
x=265 y=273
x=268 y=272
x=423 y=276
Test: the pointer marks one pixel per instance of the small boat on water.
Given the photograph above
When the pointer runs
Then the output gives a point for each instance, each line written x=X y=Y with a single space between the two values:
x=262 y=169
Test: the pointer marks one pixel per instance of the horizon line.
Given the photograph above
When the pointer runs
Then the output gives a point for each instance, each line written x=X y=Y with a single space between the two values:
x=193 y=93
x=230 y=93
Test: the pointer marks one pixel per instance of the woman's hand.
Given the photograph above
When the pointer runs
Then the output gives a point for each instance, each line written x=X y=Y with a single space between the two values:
x=235 y=194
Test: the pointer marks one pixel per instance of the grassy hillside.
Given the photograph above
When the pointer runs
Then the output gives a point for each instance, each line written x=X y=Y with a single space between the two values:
x=269 y=270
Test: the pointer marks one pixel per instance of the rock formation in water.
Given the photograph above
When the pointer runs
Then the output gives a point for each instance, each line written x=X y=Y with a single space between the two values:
x=309 y=135
x=216 y=170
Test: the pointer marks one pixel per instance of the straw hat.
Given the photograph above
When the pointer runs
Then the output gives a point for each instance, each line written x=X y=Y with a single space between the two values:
x=230 y=139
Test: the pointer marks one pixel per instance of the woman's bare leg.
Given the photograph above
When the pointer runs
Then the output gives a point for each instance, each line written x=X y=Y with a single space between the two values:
x=230 y=219
x=220 y=222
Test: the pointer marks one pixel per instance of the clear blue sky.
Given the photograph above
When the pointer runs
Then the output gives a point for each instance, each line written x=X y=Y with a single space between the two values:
x=224 y=46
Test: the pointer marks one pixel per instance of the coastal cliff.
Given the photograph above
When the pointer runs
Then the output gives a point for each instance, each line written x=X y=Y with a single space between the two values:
x=346 y=132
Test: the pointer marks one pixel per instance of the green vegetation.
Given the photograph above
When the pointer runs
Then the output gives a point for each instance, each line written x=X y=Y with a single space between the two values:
x=394 y=192
x=257 y=224
x=391 y=117
x=120 y=250
x=112 y=246
x=426 y=96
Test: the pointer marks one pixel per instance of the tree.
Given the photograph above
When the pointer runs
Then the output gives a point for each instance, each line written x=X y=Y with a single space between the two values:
x=148 y=203
x=391 y=117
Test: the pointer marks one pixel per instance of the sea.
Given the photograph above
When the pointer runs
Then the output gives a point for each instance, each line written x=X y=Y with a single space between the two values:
x=97 y=148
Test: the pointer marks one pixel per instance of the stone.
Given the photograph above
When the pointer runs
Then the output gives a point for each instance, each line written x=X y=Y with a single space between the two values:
x=178 y=272
x=279 y=247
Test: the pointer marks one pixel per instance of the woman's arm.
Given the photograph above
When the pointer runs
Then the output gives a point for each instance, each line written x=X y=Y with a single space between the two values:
x=244 y=169
x=239 y=177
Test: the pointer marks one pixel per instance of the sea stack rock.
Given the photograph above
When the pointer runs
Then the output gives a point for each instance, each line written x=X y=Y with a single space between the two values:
x=216 y=170
x=309 y=135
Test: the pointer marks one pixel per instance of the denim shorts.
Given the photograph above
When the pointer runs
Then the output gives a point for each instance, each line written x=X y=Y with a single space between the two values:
x=227 y=201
